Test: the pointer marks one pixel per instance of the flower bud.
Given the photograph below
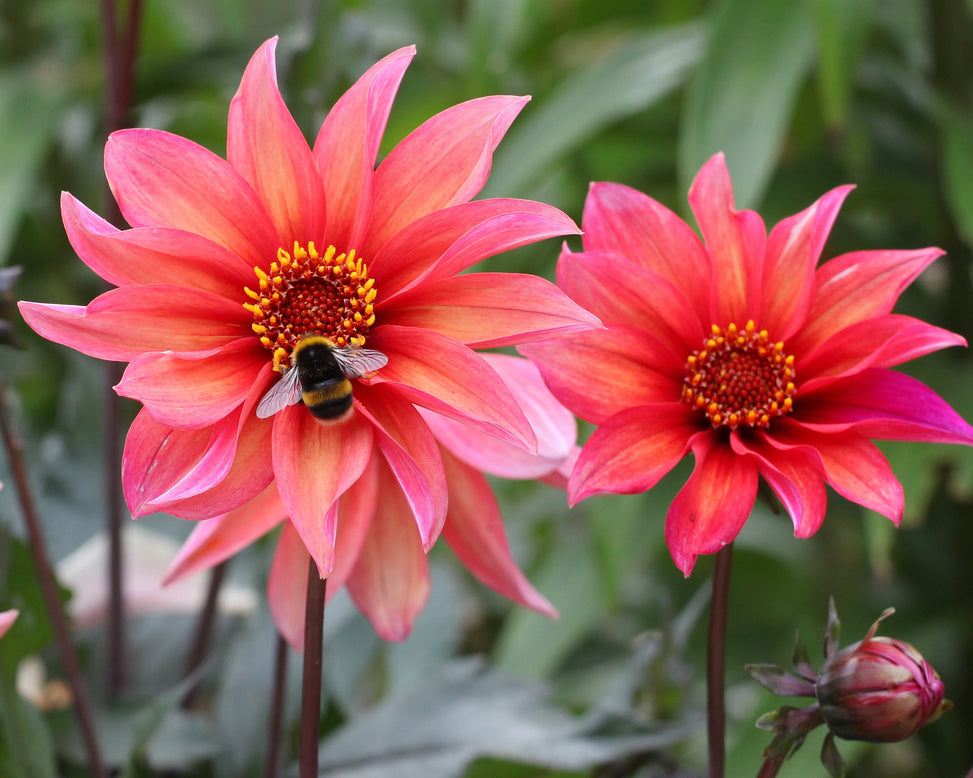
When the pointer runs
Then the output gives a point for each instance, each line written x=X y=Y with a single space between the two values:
x=880 y=690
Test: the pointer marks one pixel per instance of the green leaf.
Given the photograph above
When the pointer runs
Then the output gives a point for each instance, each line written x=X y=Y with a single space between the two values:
x=841 y=27
x=588 y=100
x=467 y=711
x=741 y=97
x=26 y=748
x=957 y=170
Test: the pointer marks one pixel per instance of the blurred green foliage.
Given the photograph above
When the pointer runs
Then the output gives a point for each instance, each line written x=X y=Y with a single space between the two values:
x=802 y=95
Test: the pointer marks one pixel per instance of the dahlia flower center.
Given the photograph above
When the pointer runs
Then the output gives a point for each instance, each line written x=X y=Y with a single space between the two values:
x=307 y=293
x=739 y=377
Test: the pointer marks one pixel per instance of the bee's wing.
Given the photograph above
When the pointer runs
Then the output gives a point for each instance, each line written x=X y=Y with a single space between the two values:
x=356 y=362
x=286 y=391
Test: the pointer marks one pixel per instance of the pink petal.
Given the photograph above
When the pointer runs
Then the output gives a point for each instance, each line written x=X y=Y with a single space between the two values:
x=489 y=310
x=854 y=467
x=443 y=162
x=884 y=341
x=450 y=240
x=216 y=540
x=621 y=292
x=7 y=618
x=356 y=508
x=287 y=586
x=390 y=580
x=597 y=373
x=475 y=532
x=412 y=454
x=621 y=220
x=124 y=323
x=190 y=391
x=711 y=509
x=314 y=464
x=153 y=255
x=632 y=450
x=266 y=147
x=438 y=373
x=793 y=250
x=347 y=145
x=553 y=424
x=795 y=474
x=855 y=287
x=735 y=240
x=886 y=405
x=163 y=180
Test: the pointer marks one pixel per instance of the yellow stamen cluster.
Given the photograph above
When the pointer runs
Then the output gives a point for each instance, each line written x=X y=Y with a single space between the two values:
x=305 y=293
x=740 y=378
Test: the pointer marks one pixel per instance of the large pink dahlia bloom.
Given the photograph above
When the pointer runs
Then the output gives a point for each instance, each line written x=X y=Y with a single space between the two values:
x=230 y=264
x=739 y=349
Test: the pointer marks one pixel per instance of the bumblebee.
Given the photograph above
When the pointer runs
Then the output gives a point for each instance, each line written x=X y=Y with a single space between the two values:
x=318 y=377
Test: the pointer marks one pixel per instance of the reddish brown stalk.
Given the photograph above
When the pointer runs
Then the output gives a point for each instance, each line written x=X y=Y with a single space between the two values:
x=771 y=766
x=52 y=601
x=311 y=682
x=275 y=725
x=716 y=663
x=204 y=630
x=120 y=55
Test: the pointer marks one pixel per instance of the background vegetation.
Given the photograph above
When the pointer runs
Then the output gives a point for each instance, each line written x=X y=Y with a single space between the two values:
x=802 y=95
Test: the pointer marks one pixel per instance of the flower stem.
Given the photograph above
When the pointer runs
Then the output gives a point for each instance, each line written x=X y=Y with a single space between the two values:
x=120 y=52
x=771 y=766
x=38 y=548
x=311 y=682
x=716 y=661
x=276 y=709
x=204 y=630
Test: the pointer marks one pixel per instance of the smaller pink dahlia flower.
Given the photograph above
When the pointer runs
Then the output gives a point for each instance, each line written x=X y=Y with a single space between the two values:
x=232 y=266
x=739 y=349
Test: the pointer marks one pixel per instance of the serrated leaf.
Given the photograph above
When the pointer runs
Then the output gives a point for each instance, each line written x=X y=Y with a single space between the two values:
x=740 y=98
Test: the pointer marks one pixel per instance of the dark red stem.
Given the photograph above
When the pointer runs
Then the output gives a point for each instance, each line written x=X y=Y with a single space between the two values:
x=311 y=682
x=275 y=724
x=716 y=663
x=204 y=629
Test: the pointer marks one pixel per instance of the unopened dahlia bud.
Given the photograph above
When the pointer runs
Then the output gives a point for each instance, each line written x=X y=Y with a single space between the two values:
x=879 y=689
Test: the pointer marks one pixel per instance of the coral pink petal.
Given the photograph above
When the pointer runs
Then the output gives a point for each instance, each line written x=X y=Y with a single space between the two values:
x=287 y=586
x=853 y=465
x=735 y=240
x=793 y=250
x=194 y=390
x=348 y=142
x=412 y=454
x=884 y=341
x=266 y=147
x=163 y=180
x=216 y=540
x=489 y=310
x=444 y=161
x=620 y=292
x=152 y=255
x=855 y=287
x=795 y=474
x=452 y=239
x=390 y=580
x=631 y=369
x=356 y=508
x=553 y=424
x=7 y=618
x=314 y=464
x=438 y=373
x=632 y=450
x=886 y=405
x=624 y=221
x=475 y=532
x=711 y=509
x=123 y=323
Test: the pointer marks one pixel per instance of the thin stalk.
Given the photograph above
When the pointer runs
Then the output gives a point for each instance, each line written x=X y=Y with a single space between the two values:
x=204 y=630
x=52 y=601
x=120 y=53
x=771 y=766
x=311 y=681
x=716 y=663
x=276 y=709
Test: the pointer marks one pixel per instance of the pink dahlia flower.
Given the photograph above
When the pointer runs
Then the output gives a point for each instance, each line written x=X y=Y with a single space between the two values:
x=231 y=265
x=7 y=618
x=739 y=349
